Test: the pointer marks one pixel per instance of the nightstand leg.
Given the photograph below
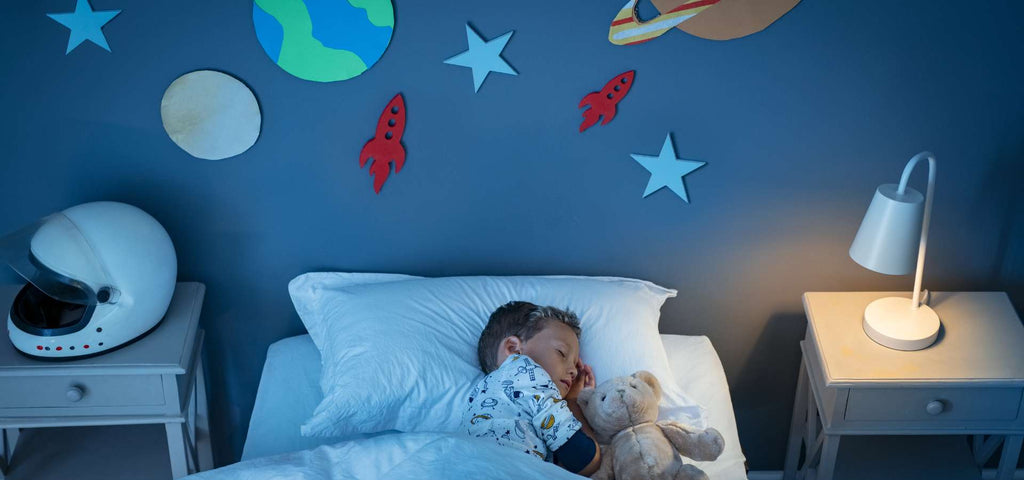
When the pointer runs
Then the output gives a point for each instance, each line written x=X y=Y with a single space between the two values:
x=811 y=425
x=796 y=425
x=827 y=464
x=8 y=441
x=1008 y=462
x=984 y=448
x=176 y=449
x=202 y=426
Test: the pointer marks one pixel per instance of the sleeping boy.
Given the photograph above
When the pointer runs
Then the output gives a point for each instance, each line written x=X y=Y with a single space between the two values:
x=527 y=401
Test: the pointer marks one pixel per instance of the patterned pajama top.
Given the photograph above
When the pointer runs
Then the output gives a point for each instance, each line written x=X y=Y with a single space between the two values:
x=518 y=406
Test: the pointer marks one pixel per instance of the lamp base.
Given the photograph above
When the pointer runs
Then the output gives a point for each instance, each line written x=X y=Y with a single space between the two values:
x=893 y=322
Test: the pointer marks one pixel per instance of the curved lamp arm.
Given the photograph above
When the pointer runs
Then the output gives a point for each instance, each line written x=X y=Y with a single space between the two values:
x=916 y=302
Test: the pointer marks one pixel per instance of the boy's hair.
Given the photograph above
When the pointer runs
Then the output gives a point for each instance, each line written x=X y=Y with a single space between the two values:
x=522 y=319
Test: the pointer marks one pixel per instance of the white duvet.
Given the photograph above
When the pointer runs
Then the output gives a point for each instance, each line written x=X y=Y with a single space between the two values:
x=395 y=456
x=289 y=392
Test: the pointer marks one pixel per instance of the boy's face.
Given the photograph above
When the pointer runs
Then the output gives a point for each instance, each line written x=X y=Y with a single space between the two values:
x=557 y=350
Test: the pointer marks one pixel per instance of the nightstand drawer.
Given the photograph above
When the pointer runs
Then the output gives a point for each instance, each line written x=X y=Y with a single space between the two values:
x=933 y=404
x=80 y=391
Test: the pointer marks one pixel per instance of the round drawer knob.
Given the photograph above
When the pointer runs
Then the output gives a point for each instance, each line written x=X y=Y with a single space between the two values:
x=934 y=407
x=75 y=394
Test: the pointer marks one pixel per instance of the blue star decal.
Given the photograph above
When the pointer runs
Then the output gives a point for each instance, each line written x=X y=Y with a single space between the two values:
x=483 y=57
x=667 y=170
x=85 y=24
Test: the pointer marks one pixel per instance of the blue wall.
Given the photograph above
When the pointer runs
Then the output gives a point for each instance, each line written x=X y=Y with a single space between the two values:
x=798 y=124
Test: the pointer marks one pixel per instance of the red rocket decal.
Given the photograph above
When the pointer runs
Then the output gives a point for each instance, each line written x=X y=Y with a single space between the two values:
x=603 y=103
x=386 y=147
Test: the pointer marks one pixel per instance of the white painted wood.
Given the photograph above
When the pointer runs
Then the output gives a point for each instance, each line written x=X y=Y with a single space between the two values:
x=827 y=462
x=796 y=425
x=911 y=404
x=96 y=420
x=8 y=440
x=811 y=423
x=969 y=382
x=95 y=390
x=990 y=474
x=176 y=447
x=150 y=381
x=202 y=419
x=983 y=450
x=1008 y=462
x=982 y=341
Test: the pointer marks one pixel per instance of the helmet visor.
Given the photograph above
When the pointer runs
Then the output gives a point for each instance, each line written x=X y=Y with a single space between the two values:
x=37 y=313
x=54 y=256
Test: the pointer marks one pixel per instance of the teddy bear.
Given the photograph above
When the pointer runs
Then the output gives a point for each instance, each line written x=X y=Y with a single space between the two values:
x=623 y=413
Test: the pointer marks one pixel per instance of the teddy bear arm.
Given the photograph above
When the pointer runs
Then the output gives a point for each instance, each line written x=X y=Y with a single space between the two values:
x=605 y=471
x=701 y=445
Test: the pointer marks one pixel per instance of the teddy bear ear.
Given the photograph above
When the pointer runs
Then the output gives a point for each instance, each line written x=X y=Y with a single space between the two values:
x=650 y=380
x=583 y=398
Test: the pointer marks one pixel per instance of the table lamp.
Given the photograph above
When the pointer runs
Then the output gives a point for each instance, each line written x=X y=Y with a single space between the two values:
x=895 y=222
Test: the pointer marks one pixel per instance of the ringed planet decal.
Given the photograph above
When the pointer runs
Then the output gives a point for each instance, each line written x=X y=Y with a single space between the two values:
x=627 y=29
x=730 y=19
x=708 y=19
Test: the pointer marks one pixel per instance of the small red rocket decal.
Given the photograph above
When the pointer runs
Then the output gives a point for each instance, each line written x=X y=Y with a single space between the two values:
x=603 y=103
x=386 y=147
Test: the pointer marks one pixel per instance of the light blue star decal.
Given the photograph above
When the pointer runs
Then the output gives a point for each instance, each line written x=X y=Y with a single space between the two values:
x=667 y=170
x=483 y=57
x=85 y=24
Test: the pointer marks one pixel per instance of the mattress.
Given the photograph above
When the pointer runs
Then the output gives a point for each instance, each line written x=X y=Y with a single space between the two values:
x=289 y=391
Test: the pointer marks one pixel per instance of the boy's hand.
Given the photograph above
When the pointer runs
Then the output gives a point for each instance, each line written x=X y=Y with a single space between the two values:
x=584 y=379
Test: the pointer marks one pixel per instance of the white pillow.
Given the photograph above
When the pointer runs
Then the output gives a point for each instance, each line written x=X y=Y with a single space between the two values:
x=310 y=291
x=401 y=354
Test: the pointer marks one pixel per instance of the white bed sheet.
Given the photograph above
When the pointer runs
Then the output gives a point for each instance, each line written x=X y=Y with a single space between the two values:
x=289 y=391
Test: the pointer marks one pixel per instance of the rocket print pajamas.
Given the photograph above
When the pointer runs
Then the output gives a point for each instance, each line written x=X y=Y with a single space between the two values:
x=519 y=406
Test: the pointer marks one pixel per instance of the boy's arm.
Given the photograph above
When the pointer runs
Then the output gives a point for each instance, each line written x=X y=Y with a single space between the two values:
x=595 y=463
x=584 y=380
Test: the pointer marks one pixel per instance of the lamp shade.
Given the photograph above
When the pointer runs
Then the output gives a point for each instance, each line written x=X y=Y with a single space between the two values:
x=887 y=241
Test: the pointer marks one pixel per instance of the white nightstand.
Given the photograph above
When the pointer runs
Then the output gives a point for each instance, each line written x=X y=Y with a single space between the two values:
x=157 y=379
x=969 y=382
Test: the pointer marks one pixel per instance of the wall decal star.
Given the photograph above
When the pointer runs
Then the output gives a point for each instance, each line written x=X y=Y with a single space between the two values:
x=667 y=170
x=85 y=24
x=483 y=57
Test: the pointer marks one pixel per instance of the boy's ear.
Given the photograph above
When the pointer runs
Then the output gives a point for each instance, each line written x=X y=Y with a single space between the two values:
x=583 y=398
x=511 y=344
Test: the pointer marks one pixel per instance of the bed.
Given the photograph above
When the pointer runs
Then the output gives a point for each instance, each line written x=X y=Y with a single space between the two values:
x=289 y=391
x=372 y=390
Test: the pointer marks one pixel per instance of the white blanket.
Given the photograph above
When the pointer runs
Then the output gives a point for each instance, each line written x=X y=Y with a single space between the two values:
x=289 y=391
x=398 y=456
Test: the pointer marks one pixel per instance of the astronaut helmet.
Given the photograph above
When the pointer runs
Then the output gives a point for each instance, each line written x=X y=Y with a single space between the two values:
x=99 y=275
